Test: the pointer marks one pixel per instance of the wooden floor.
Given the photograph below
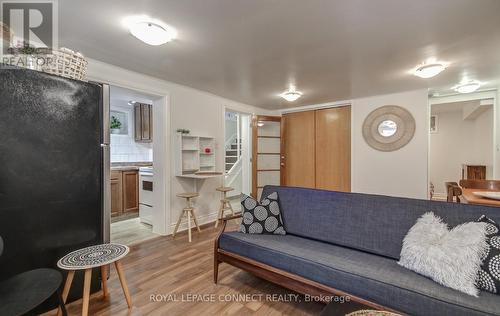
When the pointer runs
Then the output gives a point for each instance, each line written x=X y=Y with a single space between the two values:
x=180 y=270
x=131 y=231
x=123 y=217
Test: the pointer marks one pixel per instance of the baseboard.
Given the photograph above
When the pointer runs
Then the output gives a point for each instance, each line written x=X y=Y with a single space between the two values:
x=202 y=220
x=439 y=197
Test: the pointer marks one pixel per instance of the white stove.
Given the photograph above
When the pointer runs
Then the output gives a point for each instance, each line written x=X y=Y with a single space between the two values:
x=146 y=195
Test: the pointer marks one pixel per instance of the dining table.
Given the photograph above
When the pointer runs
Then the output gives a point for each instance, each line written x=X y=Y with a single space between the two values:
x=469 y=197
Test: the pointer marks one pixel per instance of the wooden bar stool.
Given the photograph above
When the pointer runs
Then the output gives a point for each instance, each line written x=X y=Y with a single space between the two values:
x=189 y=211
x=99 y=256
x=225 y=205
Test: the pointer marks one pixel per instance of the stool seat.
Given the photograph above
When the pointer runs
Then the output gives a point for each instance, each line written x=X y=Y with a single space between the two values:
x=224 y=189
x=93 y=257
x=188 y=195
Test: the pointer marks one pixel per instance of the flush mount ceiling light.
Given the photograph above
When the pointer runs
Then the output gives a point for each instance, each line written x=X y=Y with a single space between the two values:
x=291 y=94
x=131 y=102
x=260 y=123
x=467 y=87
x=429 y=70
x=150 y=31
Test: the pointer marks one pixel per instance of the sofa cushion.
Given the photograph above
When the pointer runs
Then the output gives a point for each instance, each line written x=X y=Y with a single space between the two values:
x=375 y=278
x=371 y=223
x=451 y=257
x=489 y=274
x=263 y=217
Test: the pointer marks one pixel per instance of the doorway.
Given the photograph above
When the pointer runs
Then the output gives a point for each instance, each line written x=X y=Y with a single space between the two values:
x=461 y=142
x=131 y=165
x=237 y=153
x=266 y=153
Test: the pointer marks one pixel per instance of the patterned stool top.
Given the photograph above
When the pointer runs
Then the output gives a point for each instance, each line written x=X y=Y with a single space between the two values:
x=93 y=256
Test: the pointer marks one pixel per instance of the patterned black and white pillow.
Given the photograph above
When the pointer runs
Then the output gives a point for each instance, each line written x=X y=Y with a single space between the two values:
x=489 y=273
x=263 y=217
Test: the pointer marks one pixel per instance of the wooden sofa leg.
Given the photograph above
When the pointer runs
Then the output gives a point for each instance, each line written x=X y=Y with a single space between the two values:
x=216 y=270
x=216 y=245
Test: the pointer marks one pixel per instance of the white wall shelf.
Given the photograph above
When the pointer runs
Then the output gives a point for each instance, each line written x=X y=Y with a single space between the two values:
x=194 y=154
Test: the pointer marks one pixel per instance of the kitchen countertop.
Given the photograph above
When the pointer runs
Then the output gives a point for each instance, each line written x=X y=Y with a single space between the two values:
x=126 y=166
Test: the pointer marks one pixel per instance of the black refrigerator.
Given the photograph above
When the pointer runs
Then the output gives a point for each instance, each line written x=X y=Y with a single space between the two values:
x=54 y=169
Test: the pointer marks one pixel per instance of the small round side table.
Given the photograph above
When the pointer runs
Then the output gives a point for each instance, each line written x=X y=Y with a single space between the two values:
x=98 y=256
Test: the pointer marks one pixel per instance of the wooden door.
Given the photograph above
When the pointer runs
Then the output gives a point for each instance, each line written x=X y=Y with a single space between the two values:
x=298 y=163
x=266 y=152
x=116 y=193
x=130 y=181
x=333 y=149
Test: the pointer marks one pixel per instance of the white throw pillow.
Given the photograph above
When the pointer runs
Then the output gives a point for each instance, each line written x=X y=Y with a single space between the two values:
x=450 y=257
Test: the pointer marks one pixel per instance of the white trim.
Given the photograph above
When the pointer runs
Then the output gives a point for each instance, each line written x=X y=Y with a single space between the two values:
x=463 y=97
x=428 y=162
x=161 y=144
x=439 y=197
x=488 y=95
x=316 y=106
x=202 y=220
x=249 y=143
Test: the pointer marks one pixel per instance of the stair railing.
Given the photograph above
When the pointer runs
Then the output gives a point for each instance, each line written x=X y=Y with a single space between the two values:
x=232 y=174
x=230 y=141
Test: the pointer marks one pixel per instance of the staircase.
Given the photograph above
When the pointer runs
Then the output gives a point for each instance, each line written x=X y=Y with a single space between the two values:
x=232 y=155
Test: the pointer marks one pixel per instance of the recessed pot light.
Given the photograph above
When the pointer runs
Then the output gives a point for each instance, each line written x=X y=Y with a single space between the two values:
x=150 y=31
x=467 y=87
x=291 y=94
x=429 y=70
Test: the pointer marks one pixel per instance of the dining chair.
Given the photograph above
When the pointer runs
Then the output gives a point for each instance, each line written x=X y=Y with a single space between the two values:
x=453 y=192
x=493 y=185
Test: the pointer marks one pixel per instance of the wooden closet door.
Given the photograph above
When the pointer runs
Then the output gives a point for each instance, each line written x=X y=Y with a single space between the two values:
x=298 y=167
x=333 y=149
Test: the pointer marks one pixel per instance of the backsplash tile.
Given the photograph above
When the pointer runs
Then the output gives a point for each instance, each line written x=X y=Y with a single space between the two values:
x=125 y=149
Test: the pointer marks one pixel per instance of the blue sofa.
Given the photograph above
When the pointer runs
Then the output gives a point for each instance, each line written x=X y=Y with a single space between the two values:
x=349 y=243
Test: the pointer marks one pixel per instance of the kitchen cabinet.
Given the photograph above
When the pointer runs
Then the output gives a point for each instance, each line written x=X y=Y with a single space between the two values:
x=124 y=192
x=143 y=114
x=130 y=191
x=116 y=193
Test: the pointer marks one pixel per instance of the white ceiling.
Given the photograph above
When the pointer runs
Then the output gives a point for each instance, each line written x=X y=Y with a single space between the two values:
x=119 y=95
x=251 y=50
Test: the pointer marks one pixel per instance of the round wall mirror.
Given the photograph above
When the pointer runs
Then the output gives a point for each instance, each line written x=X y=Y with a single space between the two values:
x=387 y=128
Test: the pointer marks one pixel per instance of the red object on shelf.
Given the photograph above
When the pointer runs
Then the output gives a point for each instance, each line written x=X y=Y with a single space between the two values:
x=208 y=150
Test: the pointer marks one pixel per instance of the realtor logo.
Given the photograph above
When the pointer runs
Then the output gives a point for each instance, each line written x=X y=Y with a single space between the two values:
x=28 y=25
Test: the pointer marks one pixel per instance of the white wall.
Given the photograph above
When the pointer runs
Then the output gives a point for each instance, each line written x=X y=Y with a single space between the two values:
x=399 y=173
x=200 y=112
x=460 y=141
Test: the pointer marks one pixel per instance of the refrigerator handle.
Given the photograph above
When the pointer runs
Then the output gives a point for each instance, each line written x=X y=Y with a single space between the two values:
x=106 y=164
x=105 y=114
